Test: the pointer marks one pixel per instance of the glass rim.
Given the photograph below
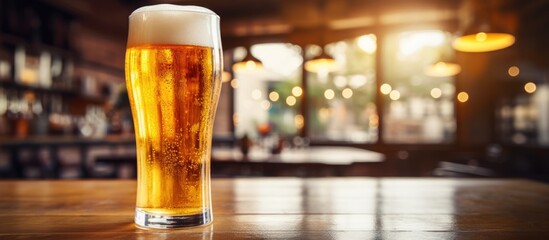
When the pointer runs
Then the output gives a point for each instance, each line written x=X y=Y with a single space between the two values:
x=174 y=8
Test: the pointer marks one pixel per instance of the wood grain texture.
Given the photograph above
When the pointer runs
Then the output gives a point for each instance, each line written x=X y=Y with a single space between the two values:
x=289 y=208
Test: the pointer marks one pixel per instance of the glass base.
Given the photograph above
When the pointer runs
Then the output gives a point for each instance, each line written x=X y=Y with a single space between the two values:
x=148 y=220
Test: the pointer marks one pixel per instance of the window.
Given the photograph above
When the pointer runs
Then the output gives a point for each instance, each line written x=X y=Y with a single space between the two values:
x=417 y=108
x=341 y=103
x=268 y=100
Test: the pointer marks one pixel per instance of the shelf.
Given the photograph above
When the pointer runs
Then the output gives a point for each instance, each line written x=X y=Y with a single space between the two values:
x=72 y=94
x=100 y=66
x=19 y=41
x=16 y=41
x=17 y=86
x=41 y=141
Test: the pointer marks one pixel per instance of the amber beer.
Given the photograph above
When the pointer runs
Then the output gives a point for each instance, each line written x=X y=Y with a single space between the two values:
x=173 y=69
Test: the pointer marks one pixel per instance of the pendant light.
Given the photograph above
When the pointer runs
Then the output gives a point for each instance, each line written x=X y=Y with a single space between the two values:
x=445 y=66
x=482 y=33
x=248 y=64
x=443 y=69
x=324 y=63
x=483 y=39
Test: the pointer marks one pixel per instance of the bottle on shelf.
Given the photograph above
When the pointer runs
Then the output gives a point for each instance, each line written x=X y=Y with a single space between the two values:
x=60 y=121
x=62 y=70
x=4 y=124
x=40 y=116
x=19 y=113
x=6 y=63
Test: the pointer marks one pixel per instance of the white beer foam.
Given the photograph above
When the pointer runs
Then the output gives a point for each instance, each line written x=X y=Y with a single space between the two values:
x=173 y=24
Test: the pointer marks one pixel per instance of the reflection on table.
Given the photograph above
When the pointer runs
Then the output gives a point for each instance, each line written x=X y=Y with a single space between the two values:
x=289 y=208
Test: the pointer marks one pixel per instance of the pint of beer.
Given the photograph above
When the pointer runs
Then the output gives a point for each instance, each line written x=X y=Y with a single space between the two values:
x=173 y=76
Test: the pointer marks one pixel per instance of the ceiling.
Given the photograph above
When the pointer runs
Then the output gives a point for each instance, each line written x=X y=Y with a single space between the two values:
x=306 y=21
x=274 y=18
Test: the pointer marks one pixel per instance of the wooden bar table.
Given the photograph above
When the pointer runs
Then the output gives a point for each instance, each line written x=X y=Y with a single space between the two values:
x=289 y=208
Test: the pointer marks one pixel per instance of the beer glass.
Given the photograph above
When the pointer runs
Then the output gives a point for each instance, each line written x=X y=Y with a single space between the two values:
x=173 y=76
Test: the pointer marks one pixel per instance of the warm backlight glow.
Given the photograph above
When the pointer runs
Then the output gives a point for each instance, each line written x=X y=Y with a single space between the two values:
x=436 y=92
x=291 y=100
x=256 y=94
x=247 y=66
x=266 y=105
x=340 y=81
x=329 y=94
x=513 y=71
x=385 y=88
x=483 y=42
x=394 y=95
x=530 y=87
x=299 y=121
x=226 y=77
x=442 y=69
x=273 y=96
x=463 y=97
x=235 y=119
x=367 y=43
x=297 y=91
x=347 y=93
x=480 y=37
x=374 y=120
x=412 y=42
x=234 y=83
x=321 y=65
x=324 y=114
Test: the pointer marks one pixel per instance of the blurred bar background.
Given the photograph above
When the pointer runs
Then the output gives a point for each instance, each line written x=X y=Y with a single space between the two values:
x=391 y=77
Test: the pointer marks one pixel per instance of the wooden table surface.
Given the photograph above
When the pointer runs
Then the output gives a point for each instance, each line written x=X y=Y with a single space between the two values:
x=289 y=208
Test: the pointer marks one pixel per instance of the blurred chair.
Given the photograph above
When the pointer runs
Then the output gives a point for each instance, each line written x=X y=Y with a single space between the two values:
x=473 y=164
x=451 y=169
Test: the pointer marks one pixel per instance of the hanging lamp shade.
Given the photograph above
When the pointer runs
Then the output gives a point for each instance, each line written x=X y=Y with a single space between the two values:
x=322 y=63
x=484 y=29
x=249 y=63
x=445 y=65
x=479 y=40
x=442 y=69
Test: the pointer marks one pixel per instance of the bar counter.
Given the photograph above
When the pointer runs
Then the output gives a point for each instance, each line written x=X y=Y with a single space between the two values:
x=289 y=208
